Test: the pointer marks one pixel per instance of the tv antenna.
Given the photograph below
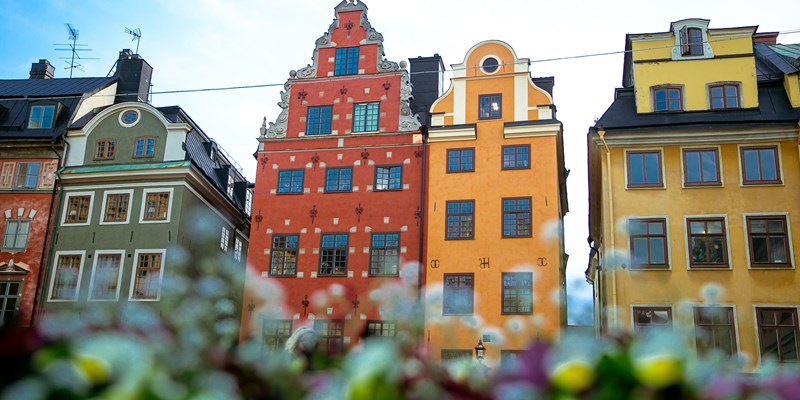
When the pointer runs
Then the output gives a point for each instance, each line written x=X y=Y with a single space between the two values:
x=74 y=48
x=137 y=35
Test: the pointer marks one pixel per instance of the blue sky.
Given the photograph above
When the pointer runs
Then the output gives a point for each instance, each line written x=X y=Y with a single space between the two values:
x=195 y=44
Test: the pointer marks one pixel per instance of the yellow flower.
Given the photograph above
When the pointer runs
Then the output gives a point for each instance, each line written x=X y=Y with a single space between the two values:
x=659 y=371
x=95 y=369
x=573 y=376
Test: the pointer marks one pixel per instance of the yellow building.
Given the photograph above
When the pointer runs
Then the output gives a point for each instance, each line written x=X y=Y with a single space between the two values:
x=694 y=192
x=496 y=197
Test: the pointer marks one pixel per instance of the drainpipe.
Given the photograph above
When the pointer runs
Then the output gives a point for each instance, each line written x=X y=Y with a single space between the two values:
x=38 y=299
x=420 y=302
x=614 y=312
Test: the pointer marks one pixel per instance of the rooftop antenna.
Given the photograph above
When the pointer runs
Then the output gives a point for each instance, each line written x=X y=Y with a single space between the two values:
x=73 y=47
x=137 y=35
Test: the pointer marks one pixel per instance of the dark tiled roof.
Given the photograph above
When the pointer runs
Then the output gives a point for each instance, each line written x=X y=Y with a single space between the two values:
x=10 y=88
x=790 y=52
x=774 y=108
x=769 y=64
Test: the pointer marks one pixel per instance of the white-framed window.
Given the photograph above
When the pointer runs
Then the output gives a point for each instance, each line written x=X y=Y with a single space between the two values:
x=156 y=206
x=231 y=181
x=237 y=249
x=27 y=176
x=148 y=273
x=116 y=207
x=106 y=276
x=77 y=209
x=65 y=282
x=248 y=201
x=224 y=239
x=768 y=240
x=41 y=117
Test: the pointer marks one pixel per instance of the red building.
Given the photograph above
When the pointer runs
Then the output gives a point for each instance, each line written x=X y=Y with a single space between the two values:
x=338 y=191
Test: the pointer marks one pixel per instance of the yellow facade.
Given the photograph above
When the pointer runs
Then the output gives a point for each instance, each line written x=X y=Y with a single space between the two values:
x=524 y=118
x=737 y=279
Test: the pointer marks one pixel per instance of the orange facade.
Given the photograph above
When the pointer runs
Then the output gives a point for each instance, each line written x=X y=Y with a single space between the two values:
x=495 y=201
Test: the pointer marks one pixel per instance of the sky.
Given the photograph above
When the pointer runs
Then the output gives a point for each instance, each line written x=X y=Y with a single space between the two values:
x=201 y=44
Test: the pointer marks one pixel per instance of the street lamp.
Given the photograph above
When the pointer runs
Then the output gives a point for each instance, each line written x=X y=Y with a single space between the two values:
x=480 y=351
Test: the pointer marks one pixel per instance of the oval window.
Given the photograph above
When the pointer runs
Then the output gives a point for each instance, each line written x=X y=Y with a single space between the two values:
x=490 y=65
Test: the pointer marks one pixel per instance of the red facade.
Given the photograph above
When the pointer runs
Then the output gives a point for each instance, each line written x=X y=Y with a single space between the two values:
x=337 y=201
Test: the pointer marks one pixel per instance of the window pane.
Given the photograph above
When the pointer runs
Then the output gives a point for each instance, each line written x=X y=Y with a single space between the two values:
x=751 y=167
x=777 y=247
x=693 y=166
x=760 y=250
x=651 y=168
x=709 y=166
x=657 y=251
x=636 y=167
x=768 y=172
x=716 y=250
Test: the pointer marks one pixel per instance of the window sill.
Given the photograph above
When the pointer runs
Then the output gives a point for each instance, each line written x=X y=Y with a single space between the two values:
x=701 y=185
x=651 y=268
x=720 y=267
x=636 y=187
x=460 y=238
x=772 y=266
x=517 y=237
x=283 y=276
x=762 y=183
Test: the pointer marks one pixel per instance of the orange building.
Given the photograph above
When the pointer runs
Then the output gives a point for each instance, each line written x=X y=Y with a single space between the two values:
x=495 y=202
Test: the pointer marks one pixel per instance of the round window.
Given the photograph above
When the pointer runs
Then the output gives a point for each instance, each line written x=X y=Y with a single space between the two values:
x=129 y=117
x=490 y=65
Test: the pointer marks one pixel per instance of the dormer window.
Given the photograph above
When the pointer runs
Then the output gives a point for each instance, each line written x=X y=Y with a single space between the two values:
x=724 y=96
x=691 y=41
x=41 y=117
x=346 y=61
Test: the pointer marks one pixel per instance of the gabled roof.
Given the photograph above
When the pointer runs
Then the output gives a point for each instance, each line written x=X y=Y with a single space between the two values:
x=16 y=88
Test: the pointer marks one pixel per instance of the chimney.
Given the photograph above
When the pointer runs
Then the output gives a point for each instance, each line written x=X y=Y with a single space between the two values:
x=427 y=78
x=133 y=78
x=42 y=70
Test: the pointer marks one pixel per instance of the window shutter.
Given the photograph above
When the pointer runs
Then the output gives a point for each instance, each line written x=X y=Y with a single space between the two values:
x=684 y=32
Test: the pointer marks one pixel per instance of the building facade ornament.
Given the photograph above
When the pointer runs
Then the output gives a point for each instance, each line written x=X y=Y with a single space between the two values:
x=408 y=120
x=277 y=129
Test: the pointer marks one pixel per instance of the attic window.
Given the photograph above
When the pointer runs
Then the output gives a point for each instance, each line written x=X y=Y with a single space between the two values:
x=490 y=65
x=691 y=41
x=41 y=117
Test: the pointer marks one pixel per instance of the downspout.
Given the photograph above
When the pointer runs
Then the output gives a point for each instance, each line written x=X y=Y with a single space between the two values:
x=614 y=312
x=422 y=210
x=38 y=299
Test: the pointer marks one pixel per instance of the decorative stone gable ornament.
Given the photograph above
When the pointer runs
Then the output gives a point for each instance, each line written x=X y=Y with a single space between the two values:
x=278 y=128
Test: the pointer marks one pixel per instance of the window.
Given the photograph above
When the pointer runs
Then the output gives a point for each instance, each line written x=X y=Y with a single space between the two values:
x=644 y=169
x=381 y=328
x=283 y=256
x=490 y=65
x=129 y=118
x=517 y=292
x=105 y=149
x=147 y=277
x=231 y=182
x=517 y=157
x=707 y=244
x=346 y=61
x=517 y=217
x=511 y=359
x=66 y=277
x=460 y=219
x=276 y=332
x=460 y=160
x=104 y=284
x=318 y=120
x=458 y=294
x=330 y=334
x=724 y=96
x=778 y=333
x=144 y=147
x=667 y=98
x=365 y=117
x=646 y=318
x=713 y=327
x=116 y=207
x=701 y=167
x=156 y=206
x=27 y=175
x=15 y=236
x=768 y=239
x=448 y=355
x=290 y=182
x=760 y=165
x=78 y=207
x=41 y=117
x=648 y=243
x=248 y=201
x=9 y=301
x=237 y=249
x=489 y=106
x=384 y=254
x=691 y=41
x=338 y=180
x=224 y=239
x=333 y=254
x=389 y=178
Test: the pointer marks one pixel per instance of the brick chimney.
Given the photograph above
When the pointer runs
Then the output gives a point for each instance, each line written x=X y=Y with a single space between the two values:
x=42 y=70
x=134 y=74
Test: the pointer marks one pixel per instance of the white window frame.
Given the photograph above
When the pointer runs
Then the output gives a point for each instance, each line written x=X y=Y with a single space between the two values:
x=687 y=252
x=19 y=221
x=778 y=157
x=237 y=249
x=82 y=254
x=788 y=238
x=668 y=252
x=663 y=170
x=121 y=254
x=719 y=165
x=225 y=239
x=66 y=208
x=145 y=192
x=135 y=263
x=105 y=201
